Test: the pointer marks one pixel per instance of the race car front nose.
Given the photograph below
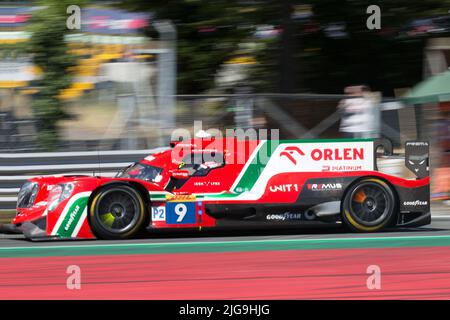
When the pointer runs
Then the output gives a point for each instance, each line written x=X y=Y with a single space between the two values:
x=30 y=229
x=34 y=229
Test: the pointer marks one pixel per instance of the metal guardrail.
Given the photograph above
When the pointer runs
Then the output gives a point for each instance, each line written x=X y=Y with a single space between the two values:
x=16 y=168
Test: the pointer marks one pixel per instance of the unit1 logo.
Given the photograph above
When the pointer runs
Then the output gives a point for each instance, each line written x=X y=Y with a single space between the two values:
x=284 y=188
x=289 y=152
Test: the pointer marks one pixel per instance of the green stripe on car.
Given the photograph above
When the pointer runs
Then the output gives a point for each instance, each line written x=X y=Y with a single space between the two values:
x=72 y=217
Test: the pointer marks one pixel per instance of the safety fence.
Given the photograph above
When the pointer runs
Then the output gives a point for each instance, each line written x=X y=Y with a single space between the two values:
x=130 y=122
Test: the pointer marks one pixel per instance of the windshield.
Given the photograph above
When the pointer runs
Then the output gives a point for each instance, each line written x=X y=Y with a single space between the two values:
x=142 y=172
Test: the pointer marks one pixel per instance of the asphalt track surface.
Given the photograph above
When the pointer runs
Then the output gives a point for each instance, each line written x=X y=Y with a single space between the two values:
x=312 y=263
x=440 y=226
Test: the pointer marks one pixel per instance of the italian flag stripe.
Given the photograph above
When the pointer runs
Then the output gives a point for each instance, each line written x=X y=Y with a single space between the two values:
x=71 y=215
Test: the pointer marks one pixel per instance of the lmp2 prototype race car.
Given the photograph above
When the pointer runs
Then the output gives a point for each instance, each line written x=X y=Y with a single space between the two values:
x=206 y=183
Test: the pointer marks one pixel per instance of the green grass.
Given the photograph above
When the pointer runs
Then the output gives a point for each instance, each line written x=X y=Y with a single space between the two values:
x=7 y=215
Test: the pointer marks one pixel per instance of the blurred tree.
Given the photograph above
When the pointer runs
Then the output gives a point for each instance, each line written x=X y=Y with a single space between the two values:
x=344 y=51
x=49 y=53
x=288 y=72
x=334 y=48
x=321 y=52
x=277 y=69
x=208 y=33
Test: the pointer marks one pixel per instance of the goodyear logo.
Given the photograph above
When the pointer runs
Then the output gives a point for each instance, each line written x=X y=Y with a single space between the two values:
x=72 y=217
x=415 y=203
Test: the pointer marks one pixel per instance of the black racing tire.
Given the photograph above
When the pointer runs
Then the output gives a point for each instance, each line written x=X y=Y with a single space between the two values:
x=369 y=206
x=117 y=212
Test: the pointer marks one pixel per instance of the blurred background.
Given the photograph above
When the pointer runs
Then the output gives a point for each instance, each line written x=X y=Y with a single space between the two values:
x=135 y=70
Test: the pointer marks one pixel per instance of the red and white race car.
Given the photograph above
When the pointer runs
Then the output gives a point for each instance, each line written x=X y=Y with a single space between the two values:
x=204 y=183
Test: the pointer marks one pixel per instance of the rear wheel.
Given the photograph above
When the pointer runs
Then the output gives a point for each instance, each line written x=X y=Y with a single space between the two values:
x=369 y=206
x=117 y=212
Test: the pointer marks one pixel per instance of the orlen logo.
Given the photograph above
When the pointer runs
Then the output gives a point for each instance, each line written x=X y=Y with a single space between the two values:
x=289 y=152
x=324 y=154
x=338 y=154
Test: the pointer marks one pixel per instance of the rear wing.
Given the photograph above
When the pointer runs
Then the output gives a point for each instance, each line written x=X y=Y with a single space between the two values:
x=417 y=158
x=417 y=155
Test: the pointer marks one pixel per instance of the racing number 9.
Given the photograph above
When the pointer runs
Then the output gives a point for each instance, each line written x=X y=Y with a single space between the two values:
x=181 y=212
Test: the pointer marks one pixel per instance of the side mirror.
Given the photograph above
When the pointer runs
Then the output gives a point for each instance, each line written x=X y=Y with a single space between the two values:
x=179 y=174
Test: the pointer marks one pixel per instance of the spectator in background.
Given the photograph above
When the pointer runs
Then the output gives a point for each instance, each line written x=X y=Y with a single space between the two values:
x=441 y=176
x=359 y=113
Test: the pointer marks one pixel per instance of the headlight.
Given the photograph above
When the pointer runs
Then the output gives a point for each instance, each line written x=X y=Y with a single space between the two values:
x=27 y=195
x=58 y=194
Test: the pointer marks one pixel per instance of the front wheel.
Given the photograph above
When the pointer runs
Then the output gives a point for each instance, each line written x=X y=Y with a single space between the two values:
x=117 y=212
x=369 y=206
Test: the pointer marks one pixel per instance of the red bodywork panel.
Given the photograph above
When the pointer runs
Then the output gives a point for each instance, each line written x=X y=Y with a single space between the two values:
x=220 y=185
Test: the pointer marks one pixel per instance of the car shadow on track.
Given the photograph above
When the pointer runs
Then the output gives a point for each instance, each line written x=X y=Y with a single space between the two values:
x=310 y=232
x=268 y=232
